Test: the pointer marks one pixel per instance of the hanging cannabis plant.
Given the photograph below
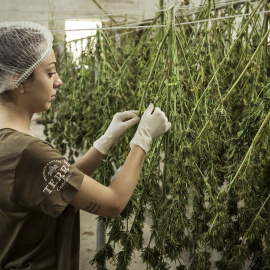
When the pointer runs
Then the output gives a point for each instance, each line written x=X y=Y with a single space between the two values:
x=206 y=184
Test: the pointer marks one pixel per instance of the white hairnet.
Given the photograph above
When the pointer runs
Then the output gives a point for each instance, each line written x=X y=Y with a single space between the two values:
x=23 y=46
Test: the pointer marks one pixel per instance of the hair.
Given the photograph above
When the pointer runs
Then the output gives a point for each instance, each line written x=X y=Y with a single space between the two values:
x=10 y=96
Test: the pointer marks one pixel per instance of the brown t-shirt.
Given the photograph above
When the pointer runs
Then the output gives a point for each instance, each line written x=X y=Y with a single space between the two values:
x=38 y=228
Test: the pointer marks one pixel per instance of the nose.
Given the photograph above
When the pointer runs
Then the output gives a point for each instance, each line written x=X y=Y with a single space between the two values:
x=58 y=82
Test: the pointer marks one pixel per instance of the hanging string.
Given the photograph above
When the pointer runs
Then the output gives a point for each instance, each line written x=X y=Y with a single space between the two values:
x=223 y=18
x=111 y=28
x=89 y=37
x=123 y=13
x=158 y=26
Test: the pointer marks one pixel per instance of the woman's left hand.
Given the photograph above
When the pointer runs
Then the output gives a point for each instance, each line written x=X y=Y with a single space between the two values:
x=120 y=123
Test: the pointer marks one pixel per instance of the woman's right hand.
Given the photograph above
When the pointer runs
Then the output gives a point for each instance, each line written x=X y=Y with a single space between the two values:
x=152 y=125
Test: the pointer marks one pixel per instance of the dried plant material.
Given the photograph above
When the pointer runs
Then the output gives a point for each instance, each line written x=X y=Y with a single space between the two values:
x=211 y=200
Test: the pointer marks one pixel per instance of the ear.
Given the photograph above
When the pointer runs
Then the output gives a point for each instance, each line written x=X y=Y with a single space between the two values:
x=20 y=88
x=13 y=77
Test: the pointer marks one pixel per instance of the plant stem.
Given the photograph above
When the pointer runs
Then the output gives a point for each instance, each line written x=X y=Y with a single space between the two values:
x=171 y=42
x=246 y=233
x=185 y=60
x=110 y=47
x=209 y=50
x=124 y=65
x=152 y=70
x=234 y=85
x=266 y=17
x=250 y=149
x=102 y=9
x=162 y=15
x=221 y=63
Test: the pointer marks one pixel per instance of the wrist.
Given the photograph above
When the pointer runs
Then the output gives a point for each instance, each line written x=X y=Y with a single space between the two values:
x=137 y=148
x=134 y=146
x=103 y=144
x=142 y=141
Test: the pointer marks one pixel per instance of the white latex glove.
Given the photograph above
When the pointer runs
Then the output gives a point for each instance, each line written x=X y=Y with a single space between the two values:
x=152 y=125
x=120 y=123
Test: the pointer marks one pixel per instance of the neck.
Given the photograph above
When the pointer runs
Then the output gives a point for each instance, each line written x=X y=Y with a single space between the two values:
x=16 y=118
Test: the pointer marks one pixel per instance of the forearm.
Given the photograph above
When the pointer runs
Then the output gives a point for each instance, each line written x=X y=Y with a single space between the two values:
x=110 y=201
x=126 y=179
x=89 y=161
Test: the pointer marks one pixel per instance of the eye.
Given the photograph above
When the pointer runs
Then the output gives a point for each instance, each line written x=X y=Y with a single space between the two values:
x=51 y=74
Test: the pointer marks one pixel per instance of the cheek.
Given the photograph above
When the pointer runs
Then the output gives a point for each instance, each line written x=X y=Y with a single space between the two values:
x=41 y=85
x=44 y=86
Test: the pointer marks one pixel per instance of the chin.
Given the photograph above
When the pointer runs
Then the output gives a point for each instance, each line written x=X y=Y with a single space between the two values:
x=47 y=109
x=40 y=110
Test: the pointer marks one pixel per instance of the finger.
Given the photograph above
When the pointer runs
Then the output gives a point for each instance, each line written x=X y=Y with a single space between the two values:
x=168 y=126
x=149 y=109
x=123 y=116
x=157 y=110
x=133 y=111
x=127 y=115
x=132 y=122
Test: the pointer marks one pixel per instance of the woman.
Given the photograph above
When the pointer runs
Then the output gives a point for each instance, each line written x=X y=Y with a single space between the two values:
x=40 y=192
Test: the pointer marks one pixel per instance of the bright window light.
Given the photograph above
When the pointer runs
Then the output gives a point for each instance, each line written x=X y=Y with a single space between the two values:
x=77 y=47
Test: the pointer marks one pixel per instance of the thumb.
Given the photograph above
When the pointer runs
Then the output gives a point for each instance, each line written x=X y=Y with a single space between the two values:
x=131 y=122
x=149 y=109
x=168 y=126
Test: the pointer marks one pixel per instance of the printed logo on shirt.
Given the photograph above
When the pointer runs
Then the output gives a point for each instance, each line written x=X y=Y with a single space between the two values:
x=56 y=174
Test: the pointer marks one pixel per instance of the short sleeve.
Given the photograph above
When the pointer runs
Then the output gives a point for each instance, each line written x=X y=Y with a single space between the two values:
x=44 y=180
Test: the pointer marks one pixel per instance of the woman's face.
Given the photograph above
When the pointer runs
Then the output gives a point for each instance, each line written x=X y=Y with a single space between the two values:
x=40 y=91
